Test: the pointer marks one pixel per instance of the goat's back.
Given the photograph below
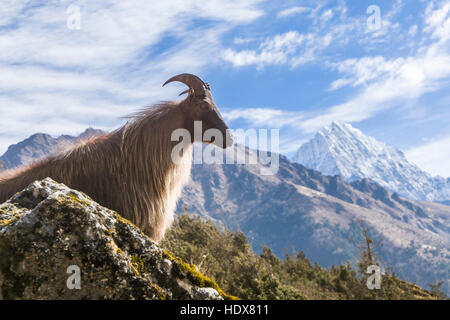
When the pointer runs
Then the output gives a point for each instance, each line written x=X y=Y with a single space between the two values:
x=82 y=167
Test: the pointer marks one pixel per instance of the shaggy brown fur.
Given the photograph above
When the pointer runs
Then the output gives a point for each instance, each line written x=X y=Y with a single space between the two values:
x=129 y=170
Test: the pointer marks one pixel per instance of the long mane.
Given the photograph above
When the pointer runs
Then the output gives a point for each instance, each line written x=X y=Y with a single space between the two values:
x=129 y=170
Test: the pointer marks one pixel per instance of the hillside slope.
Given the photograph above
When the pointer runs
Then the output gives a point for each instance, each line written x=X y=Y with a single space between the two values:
x=321 y=215
x=227 y=257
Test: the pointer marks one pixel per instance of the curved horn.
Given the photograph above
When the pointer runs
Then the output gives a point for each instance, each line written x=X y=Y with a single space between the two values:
x=192 y=81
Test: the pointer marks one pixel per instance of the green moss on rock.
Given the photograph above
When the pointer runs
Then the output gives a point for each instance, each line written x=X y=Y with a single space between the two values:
x=139 y=264
x=195 y=276
x=4 y=223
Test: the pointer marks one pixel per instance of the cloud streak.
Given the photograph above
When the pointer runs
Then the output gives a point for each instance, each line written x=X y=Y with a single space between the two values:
x=292 y=11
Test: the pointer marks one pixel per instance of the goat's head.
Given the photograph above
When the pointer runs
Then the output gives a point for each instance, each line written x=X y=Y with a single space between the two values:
x=199 y=106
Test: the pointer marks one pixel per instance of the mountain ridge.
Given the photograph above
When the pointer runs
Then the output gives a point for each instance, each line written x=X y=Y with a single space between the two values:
x=340 y=149
x=39 y=145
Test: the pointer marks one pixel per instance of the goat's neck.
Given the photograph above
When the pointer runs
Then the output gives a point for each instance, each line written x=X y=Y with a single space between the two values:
x=148 y=146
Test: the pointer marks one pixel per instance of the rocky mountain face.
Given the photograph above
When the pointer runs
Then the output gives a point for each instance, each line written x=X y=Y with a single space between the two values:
x=302 y=209
x=40 y=145
x=343 y=150
x=56 y=243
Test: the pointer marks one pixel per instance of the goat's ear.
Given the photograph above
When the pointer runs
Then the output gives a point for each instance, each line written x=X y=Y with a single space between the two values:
x=184 y=92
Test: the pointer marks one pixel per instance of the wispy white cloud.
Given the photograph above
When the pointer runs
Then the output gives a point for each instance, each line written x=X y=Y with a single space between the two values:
x=292 y=11
x=410 y=79
x=327 y=15
x=330 y=28
x=438 y=20
x=279 y=49
x=10 y=10
x=272 y=118
x=290 y=48
x=361 y=71
x=265 y=117
x=413 y=30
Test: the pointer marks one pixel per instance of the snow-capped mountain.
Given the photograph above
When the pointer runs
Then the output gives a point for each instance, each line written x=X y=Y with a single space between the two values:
x=343 y=150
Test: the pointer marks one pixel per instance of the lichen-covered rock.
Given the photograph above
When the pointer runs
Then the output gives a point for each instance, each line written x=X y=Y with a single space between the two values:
x=57 y=243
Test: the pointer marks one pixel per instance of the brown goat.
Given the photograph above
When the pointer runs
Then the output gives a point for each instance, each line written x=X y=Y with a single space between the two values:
x=131 y=170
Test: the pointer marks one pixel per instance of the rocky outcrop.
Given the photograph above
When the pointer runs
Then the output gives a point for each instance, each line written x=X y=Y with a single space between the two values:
x=57 y=243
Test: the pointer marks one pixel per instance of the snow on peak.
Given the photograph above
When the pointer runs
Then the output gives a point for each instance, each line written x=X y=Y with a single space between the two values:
x=340 y=149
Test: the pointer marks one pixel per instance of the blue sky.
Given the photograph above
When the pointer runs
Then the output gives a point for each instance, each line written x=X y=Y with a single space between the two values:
x=292 y=65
